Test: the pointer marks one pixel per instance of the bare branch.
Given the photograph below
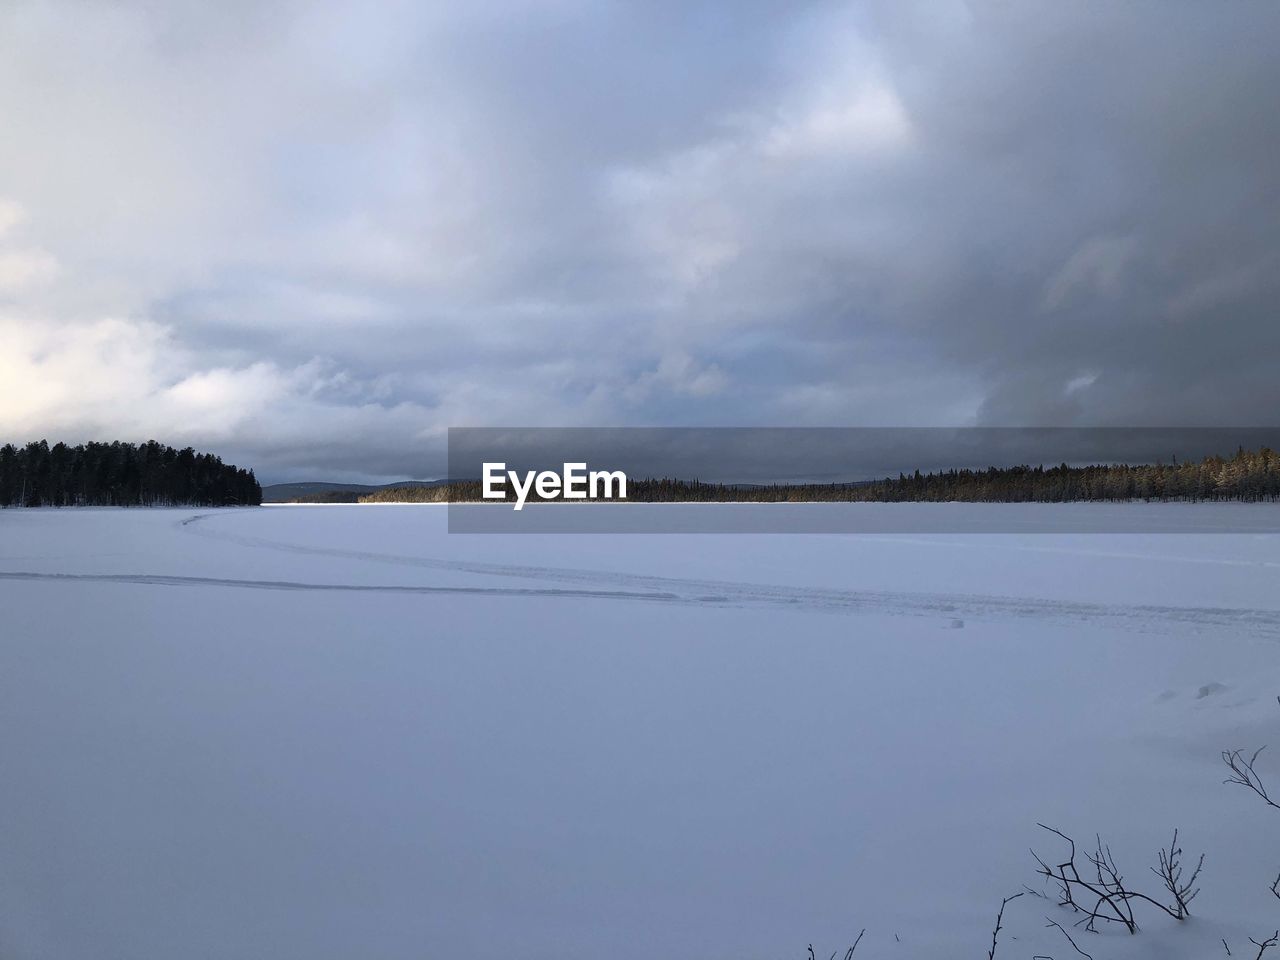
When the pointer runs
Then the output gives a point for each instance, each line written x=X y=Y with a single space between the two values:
x=1110 y=899
x=1103 y=895
x=855 y=944
x=1170 y=871
x=1074 y=945
x=1243 y=774
x=991 y=954
x=1265 y=945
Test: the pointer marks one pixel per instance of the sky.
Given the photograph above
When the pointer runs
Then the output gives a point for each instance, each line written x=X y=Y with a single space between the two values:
x=313 y=236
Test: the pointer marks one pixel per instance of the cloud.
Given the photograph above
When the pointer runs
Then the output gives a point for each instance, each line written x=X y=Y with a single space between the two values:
x=20 y=266
x=1095 y=269
x=682 y=375
x=317 y=235
x=24 y=268
x=132 y=380
x=11 y=214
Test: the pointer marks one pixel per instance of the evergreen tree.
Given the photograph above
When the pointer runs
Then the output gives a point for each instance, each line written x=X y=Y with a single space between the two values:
x=120 y=474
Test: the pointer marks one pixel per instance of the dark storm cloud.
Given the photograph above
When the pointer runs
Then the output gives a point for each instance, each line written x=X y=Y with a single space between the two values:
x=316 y=235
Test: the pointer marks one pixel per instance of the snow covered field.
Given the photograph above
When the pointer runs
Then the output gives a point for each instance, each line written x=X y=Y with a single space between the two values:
x=339 y=732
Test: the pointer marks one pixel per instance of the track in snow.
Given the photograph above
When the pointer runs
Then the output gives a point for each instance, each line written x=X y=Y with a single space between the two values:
x=614 y=585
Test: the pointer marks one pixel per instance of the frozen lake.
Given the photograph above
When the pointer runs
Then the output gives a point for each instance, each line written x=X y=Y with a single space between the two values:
x=337 y=732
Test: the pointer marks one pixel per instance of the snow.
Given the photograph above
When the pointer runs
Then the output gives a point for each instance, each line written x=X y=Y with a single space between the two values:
x=339 y=732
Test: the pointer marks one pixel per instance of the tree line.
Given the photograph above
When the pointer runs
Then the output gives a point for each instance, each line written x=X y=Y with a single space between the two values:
x=120 y=475
x=1247 y=476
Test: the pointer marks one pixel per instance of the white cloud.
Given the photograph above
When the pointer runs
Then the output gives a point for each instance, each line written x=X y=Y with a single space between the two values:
x=25 y=268
x=866 y=119
x=77 y=376
x=11 y=214
x=1080 y=382
x=1095 y=268
x=126 y=379
x=21 y=266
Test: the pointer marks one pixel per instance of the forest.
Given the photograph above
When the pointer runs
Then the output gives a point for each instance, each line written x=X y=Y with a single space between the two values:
x=120 y=475
x=1247 y=476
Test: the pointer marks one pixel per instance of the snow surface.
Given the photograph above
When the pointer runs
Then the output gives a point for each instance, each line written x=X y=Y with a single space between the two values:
x=340 y=732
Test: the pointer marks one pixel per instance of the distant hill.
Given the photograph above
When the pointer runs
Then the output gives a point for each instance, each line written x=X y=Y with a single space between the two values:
x=317 y=491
